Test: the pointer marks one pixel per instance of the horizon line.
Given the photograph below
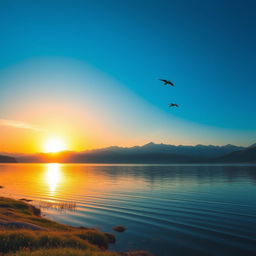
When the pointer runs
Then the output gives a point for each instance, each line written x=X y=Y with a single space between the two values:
x=125 y=147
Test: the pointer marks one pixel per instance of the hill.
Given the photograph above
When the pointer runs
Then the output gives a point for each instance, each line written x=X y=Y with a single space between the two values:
x=247 y=155
x=7 y=159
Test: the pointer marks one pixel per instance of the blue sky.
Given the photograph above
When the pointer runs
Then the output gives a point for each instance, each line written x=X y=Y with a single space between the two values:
x=207 y=48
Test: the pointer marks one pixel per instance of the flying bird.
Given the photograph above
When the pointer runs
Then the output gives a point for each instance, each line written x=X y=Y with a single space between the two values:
x=173 y=105
x=167 y=82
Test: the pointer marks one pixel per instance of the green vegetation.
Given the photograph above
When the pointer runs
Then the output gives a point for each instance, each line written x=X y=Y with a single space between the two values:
x=23 y=232
x=11 y=241
x=21 y=226
x=16 y=214
x=63 y=252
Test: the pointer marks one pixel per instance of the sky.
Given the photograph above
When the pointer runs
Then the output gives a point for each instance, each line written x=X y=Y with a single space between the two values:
x=87 y=72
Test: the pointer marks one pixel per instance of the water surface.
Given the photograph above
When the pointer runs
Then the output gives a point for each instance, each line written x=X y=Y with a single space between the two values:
x=167 y=209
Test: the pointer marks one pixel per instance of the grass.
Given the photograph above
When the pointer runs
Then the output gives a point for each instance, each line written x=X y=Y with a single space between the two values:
x=12 y=241
x=49 y=235
x=19 y=211
x=43 y=237
x=61 y=206
x=63 y=252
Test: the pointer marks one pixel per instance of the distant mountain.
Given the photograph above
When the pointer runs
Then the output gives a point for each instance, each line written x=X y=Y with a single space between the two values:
x=247 y=155
x=148 y=153
x=7 y=159
x=198 y=150
x=252 y=146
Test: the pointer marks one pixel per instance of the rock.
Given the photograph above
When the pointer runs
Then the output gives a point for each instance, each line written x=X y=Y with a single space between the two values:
x=111 y=238
x=119 y=228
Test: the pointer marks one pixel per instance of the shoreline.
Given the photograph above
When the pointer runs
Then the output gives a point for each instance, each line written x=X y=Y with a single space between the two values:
x=24 y=232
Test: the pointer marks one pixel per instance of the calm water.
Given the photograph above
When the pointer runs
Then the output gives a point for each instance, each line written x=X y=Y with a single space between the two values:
x=169 y=210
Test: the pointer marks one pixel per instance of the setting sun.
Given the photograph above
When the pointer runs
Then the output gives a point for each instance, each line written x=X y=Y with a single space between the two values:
x=54 y=145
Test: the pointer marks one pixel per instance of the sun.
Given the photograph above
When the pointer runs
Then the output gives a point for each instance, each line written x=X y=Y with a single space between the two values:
x=54 y=145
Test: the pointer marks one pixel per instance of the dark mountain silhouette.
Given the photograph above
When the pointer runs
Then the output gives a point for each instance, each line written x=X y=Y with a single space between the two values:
x=198 y=150
x=148 y=153
x=7 y=159
x=252 y=146
x=247 y=155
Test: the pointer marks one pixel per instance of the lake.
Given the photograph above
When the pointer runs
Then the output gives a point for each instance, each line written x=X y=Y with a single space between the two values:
x=169 y=210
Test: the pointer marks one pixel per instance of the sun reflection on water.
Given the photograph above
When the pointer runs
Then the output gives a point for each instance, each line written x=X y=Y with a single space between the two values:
x=53 y=177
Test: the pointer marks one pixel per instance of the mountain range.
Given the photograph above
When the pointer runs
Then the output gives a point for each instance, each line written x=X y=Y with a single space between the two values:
x=150 y=153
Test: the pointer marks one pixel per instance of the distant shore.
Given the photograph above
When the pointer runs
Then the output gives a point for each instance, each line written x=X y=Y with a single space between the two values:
x=150 y=153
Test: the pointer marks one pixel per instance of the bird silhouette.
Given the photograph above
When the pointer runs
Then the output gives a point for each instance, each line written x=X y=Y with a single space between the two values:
x=167 y=82
x=173 y=105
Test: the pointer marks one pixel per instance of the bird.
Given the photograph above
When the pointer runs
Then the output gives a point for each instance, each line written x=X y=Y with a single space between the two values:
x=173 y=105
x=167 y=82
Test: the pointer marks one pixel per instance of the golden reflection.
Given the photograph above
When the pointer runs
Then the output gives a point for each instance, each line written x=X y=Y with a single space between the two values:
x=53 y=177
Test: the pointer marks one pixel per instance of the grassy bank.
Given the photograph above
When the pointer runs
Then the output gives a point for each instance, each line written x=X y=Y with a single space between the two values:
x=23 y=232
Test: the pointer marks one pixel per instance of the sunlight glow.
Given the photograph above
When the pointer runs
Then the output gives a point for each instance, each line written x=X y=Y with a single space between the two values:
x=54 y=145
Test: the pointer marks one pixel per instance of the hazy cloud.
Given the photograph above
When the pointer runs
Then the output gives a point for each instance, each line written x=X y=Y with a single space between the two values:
x=19 y=124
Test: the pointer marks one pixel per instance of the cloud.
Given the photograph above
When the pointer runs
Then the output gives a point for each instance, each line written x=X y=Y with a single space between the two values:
x=19 y=124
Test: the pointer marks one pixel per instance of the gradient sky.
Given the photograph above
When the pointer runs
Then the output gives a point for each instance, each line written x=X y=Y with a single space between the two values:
x=87 y=71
